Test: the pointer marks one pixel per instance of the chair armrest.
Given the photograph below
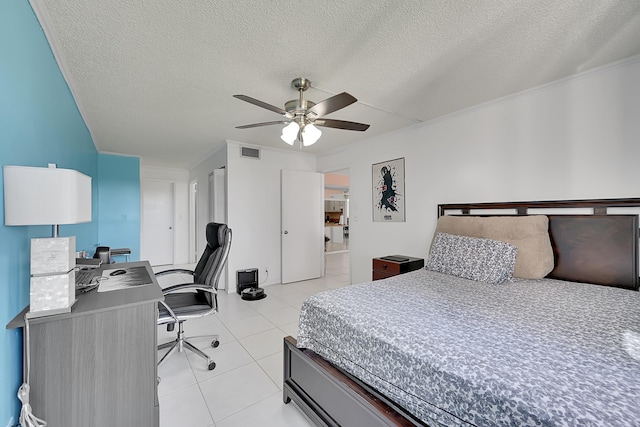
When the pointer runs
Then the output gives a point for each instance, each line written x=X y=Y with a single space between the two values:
x=174 y=271
x=171 y=313
x=187 y=287
x=179 y=288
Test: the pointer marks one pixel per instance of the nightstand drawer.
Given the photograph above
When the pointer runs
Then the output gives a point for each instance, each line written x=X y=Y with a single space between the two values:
x=392 y=265
x=381 y=265
x=377 y=275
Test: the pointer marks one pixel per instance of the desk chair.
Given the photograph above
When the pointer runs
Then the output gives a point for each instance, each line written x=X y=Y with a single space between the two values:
x=199 y=298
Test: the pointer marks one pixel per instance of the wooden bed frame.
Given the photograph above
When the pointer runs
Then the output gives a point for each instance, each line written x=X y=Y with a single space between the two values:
x=600 y=247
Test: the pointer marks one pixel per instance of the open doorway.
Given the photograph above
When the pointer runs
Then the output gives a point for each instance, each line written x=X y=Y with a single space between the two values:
x=336 y=211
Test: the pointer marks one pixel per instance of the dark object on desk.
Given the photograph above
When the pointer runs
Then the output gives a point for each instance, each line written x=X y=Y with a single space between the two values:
x=88 y=262
x=393 y=265
x=117 y=272
x=197 y=299
x=103 y=253
x=121 y=251
x=125 y=252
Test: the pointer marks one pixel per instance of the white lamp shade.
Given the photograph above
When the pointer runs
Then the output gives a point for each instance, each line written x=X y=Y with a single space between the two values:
x=45 y=196
x=310 y=134
x=290 y=133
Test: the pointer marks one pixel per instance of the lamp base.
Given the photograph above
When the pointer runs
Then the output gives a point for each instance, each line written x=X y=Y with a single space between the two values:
x=52 y=275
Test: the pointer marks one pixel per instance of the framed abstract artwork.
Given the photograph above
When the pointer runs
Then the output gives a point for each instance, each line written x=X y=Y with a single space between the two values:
x=388 y=191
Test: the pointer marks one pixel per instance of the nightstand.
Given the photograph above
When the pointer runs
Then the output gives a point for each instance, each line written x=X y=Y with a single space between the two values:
x=393 y=265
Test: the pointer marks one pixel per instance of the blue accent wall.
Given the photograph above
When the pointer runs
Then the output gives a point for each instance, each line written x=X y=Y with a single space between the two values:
x=40 y=124
x=119 y=200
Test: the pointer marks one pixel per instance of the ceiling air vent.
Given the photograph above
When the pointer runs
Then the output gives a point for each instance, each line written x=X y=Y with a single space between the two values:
x=250 y=152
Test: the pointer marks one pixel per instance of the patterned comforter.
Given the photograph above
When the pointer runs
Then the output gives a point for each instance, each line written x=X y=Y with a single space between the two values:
x=456 y=352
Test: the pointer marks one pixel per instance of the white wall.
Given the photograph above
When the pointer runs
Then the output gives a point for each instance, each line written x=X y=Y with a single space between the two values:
x=253 y=194
x=180 y=179
x=216 y=160
x=577 y=138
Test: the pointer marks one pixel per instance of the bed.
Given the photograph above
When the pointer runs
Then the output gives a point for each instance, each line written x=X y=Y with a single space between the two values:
x=442 y=346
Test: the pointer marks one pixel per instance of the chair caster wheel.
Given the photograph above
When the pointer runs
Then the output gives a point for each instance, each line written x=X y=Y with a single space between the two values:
x=211 y=366
x=215 y=343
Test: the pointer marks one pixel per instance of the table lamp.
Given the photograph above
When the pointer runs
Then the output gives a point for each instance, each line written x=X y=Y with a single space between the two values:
x=48 y=196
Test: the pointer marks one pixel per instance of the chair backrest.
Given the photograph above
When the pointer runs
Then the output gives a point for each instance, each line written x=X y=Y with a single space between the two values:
x=211 y=263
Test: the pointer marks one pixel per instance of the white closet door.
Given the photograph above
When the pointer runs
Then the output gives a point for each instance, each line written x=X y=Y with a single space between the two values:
x=302 y=231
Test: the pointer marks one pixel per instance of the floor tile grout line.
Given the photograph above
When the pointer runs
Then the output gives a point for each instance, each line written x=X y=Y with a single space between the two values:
x=228 y=372
x=247 y=407
x=202 y=394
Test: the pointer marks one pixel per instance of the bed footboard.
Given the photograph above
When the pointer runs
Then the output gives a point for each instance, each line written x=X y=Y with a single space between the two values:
x=329 y=397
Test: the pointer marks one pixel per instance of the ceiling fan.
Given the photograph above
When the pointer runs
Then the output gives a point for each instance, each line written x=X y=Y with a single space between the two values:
x=301 y=116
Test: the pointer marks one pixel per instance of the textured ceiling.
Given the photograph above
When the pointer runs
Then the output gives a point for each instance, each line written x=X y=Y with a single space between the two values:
x=156 y=78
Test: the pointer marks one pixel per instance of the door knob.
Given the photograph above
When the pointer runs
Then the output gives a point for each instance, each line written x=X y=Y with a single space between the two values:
x=286 y=232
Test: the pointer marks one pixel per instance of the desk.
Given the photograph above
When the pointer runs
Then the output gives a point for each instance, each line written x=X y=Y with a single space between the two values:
x=97 y=365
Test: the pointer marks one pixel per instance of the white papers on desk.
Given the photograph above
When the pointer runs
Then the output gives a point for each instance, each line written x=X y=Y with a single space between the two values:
x=133 y=276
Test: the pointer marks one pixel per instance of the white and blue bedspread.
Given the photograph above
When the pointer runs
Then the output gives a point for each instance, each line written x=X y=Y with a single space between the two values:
x=456 y=352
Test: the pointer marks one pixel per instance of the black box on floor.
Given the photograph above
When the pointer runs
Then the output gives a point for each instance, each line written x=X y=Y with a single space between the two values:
x=246 y=279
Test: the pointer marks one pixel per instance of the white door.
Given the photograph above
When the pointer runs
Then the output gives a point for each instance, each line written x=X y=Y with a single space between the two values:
x=156 y=237
x=302 y=232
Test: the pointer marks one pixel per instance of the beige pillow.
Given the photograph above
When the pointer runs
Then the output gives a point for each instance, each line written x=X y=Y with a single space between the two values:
x=530 y=234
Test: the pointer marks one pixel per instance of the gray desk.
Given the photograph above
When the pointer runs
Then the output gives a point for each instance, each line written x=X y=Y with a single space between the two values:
x=96 y=366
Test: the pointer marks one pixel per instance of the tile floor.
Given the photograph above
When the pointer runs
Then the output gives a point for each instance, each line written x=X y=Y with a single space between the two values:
x=245 y=388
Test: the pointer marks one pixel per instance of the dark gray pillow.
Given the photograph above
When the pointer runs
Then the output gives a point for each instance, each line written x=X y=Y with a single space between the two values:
x=483 y=260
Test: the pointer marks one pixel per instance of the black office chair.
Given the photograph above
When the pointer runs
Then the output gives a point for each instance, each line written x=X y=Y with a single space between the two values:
x=197 y=299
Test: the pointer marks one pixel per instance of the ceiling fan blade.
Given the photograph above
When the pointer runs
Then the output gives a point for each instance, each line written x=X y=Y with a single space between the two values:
x=332 y=104
x=261 y=104
x=341 y=124
x=255 y=125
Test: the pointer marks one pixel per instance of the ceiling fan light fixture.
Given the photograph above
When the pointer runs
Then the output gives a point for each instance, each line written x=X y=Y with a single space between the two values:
x=290 y=133
x=301 y=114
x=310 y=134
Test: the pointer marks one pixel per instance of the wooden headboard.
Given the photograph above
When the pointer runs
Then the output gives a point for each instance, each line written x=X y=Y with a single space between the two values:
x=597 y=245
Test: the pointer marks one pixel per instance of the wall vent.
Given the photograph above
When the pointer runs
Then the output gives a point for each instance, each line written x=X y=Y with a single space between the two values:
x=250 y=152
